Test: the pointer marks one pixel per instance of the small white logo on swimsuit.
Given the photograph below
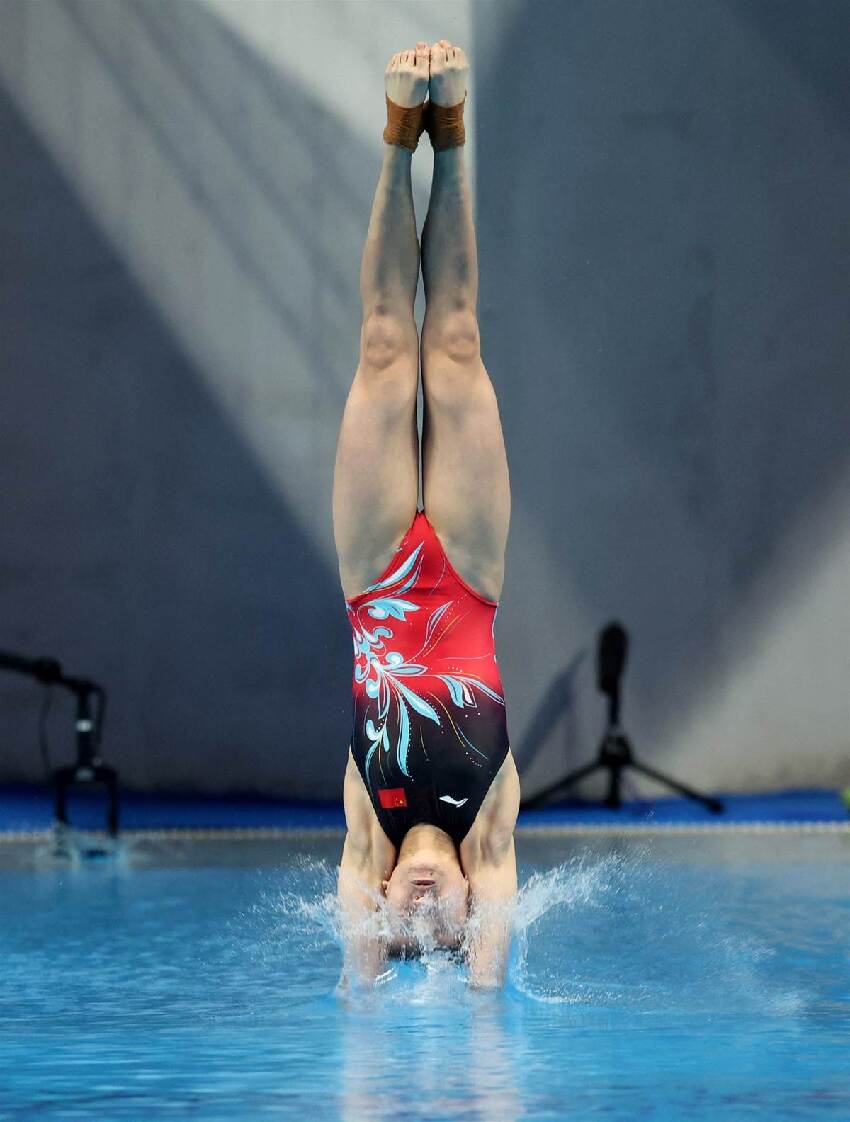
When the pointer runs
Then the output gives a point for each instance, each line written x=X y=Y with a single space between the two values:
x=449 y=799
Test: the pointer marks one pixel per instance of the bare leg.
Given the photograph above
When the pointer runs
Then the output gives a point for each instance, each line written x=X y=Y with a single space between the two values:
x=376 y=475
x=465 y=472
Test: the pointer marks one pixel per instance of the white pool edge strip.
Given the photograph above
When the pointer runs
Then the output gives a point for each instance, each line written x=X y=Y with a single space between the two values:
x=227 y=833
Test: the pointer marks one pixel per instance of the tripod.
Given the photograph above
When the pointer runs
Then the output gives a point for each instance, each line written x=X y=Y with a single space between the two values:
x=615 y=750
x=89 y=770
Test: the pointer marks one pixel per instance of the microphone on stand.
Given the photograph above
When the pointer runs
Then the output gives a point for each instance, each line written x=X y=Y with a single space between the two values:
x=610 y=664
x=615 y=751
x=611 y=657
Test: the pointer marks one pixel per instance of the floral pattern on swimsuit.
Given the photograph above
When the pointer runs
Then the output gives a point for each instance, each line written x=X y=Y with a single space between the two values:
x=430 y=728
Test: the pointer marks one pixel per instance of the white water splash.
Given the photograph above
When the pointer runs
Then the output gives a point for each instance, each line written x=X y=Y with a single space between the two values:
x=610 y=931
x=563 y=890
x=312 y=917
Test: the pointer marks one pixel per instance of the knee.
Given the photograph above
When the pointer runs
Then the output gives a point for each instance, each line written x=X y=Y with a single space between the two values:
x=388 y=340
x=454 y=334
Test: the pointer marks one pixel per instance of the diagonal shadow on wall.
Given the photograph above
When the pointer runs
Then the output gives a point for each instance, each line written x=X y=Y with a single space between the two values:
x=142 y=544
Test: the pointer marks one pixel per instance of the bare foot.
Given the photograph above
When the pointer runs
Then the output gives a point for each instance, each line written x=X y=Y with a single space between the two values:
x=406 y=76
x=449 y=71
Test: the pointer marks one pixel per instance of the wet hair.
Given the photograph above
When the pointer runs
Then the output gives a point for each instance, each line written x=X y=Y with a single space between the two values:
x=441 y=935
x=408 y=949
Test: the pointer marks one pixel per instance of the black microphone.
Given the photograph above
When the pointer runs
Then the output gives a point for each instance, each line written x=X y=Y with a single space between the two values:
x=45 y=669
x=611 y=657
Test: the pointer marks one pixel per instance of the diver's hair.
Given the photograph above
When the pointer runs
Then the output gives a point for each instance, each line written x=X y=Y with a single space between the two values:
x=409 y=944
x=406 y=951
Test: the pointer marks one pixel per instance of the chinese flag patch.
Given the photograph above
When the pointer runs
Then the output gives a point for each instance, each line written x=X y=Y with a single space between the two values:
x=391 y=797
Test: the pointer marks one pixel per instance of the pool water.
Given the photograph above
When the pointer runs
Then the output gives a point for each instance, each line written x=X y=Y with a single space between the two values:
x=658 y=977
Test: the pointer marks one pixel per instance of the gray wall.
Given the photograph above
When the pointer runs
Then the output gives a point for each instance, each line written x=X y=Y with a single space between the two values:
x=661 y=206
x=664 y=240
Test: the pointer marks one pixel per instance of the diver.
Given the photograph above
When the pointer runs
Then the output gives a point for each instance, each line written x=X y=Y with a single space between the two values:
x=431 y=789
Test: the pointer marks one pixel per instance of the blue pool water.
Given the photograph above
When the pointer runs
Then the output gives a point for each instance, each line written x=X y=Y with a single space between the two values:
x=668 y=978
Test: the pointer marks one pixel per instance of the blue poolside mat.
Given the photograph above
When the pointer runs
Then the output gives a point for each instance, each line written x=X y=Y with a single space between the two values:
x=31 y=808
x=776 y=806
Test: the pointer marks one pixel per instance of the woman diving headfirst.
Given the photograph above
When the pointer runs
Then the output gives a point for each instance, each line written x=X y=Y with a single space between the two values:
x=431 y=790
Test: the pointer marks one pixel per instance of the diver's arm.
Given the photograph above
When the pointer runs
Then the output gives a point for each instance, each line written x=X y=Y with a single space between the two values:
x=488 y=858
x=493 y=892
x=367 y=861
x=358 y=891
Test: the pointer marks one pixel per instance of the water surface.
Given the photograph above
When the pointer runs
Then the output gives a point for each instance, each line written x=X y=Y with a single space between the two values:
x=668 y=978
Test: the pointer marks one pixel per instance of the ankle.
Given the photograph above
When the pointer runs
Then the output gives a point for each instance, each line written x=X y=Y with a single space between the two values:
x=449 y=162
x=398 y=161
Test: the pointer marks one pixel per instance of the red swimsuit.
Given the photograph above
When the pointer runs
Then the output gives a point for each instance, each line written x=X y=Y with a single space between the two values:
x=430 y=729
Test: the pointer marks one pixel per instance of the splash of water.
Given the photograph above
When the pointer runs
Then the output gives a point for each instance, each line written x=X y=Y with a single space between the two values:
x=564 y=889
x=609 y=931
x=312 y=917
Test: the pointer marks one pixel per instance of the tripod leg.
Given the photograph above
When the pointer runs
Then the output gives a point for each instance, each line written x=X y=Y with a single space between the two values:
x=561 y=785
x=62 y=779
x=110 y=778
x=713 y=805
x=613 y=799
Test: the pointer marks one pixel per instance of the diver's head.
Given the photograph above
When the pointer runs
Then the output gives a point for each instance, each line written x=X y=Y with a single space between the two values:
x=427 y=893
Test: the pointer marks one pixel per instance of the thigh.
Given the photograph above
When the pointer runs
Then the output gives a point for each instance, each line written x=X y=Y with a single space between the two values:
x=376 y=474
x=465 y=484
